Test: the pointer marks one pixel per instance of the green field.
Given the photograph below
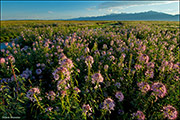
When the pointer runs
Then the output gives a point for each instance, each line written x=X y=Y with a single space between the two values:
x=100 y=70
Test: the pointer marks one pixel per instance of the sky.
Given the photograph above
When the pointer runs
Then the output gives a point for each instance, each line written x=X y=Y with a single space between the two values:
x=48 y=10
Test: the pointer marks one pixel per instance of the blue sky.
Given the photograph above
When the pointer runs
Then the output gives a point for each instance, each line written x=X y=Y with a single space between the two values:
x=74 y=9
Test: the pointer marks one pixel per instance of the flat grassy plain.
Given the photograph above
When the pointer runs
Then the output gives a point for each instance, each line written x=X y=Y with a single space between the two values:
x=12 y=29
x=113 y=70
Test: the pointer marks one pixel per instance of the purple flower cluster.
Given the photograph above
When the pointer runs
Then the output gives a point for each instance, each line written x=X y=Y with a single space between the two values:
x=170 y=112
x=49 y=109
x=89 y=61
x=77 y=90
x=67 y=63
x=33 y=91
x=61 y=71
x=143 y=58
x=119 y=95
x=86 y=109
x=108 y=104
x=144 y=86
x=51 y=95
x=97 y=78
x=11 y=58
x=26 y=73
x=149 y=73
x=159 y=89
x=139 y=115
x=38 y=71
x=138 y=67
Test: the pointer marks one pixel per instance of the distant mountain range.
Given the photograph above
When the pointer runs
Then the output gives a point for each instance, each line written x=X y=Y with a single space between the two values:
x=144 y=16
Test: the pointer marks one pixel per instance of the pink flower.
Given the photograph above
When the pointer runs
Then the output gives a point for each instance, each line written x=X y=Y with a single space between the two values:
x=89 y=61
x=56 y=77
x=2 y=60
x=6 y=43
x=38 y=65
x=149 y=73
x=87 y=50
x=63 y=93
x=150 y=65
x=139 y=115
x=144 y=86
x=97 y=78
x=31 y=92
x=49 y=109
x=105 y=46
x=2 y=50
x=170 y=112
x=11 y=58
x=86 y=108
x=143 y=58
x=120 y=96
x=62 y=70
x=138 y=67
x=67 y=63
x=159 y=89
x=77 y=89
x=106 y=67
x=108 y=104
x=142 y=47
x=62 y=56
x=51 y=95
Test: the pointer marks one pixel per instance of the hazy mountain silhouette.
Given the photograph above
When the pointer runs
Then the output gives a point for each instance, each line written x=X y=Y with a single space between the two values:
x=150 y=15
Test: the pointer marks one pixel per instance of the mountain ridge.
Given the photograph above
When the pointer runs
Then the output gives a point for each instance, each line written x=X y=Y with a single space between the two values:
x=149 y=15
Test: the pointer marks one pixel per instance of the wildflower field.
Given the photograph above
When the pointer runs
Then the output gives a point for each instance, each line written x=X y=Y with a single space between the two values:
x=100 y=70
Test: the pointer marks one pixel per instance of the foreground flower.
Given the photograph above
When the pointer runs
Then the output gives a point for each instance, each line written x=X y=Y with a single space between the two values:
x=86 y=108
x=61 y=71
x=49 y=109
x=143 y=58
x=56 y=76
x=2 y=60
x=11 y=58
x=144 y=87
x=106 y=67
x=159 y=89
x=33 y=91
x=67 y=63
x=89 y=61
x=149 y=73
x=120 y=96
x=51 y=95
x=77 y=90
x=170 y=112
x=138 y=67
x=139 y=115
x=63 y=93
x=108 y=104
x=97 y=78
x=86 y=50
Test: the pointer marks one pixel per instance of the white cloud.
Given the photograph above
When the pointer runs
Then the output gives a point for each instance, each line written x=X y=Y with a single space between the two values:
x=91 y=8
x=126 y=4
x=50 y=12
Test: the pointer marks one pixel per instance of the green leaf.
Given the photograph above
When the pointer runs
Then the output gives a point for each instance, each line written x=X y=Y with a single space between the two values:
x=20 y=100
x=17 y=70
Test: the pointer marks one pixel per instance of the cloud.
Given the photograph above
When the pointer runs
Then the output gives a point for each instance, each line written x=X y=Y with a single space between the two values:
x=91 y=8
x=50 y=12
x=126 y=4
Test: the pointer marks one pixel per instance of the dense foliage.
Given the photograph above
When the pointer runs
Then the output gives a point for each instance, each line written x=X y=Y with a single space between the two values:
x=109 y=70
